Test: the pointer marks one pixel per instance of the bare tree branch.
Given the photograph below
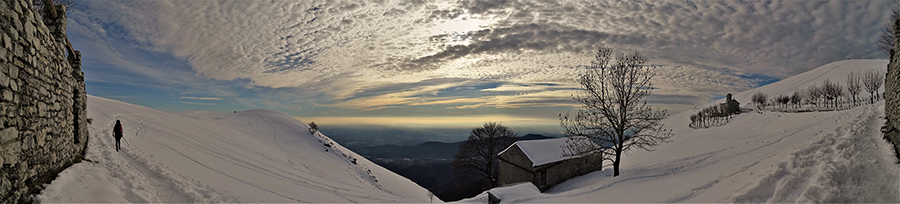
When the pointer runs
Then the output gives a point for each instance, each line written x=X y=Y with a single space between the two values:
x=478 y=155
x=814 y=93
x=873 y=81
x=886 y=40
x=832 y=91
x=759 y=98
x=39 y=5
x=614 y=115
x=853 y=86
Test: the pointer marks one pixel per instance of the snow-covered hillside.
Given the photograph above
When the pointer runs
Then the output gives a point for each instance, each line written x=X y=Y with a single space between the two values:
x=835 y=71
x=818 y=157
x=247 y=156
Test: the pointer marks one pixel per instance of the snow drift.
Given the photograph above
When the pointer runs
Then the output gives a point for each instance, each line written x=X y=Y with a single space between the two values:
x=831 y=157
x=246 y=156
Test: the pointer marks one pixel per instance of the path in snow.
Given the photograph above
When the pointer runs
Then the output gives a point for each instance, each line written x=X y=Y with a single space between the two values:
x=848 y=163
x=124 y=176
x=245 y=156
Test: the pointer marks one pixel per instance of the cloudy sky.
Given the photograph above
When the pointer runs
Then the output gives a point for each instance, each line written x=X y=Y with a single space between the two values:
x=439 y=62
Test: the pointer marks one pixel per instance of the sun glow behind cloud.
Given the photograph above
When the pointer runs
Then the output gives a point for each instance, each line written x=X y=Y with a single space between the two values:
x=457 y=30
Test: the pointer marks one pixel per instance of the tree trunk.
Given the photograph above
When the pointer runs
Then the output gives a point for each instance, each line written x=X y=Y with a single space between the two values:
x=616 y=162
x=490 y=175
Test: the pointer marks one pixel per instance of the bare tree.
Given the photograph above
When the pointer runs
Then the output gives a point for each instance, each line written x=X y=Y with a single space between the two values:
x=777 y=100
x=853 y=86
x=783 y=100
x=873 y=81
x=478 y=155
x=848 y=98
x=814 y=93
x=313 y=128
x=759 y=98
x=716 y=115
x=694 y=120
x=796 y=98
x=38 y=5
x=826 y=89
x=886 y=42
x=838 y=93
x=832 y=92
x=613 y=111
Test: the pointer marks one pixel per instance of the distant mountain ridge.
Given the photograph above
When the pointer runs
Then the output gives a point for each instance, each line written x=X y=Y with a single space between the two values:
x=431 y=150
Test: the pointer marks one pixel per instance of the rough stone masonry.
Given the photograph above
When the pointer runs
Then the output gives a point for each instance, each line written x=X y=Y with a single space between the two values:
x=892 y=95
x=43 y=126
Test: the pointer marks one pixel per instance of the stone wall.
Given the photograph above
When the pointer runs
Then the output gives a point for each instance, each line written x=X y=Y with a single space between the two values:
x=570 y=168
x=43 y=126
x=892 y=95
x=514 y=167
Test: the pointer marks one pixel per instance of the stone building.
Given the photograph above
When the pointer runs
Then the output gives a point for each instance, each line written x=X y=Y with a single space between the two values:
x=730 y=106
x=543 y=163
x=892 y=95
x=43 y=124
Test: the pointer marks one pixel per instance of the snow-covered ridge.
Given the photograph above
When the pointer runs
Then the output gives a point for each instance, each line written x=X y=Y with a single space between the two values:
x=830 y=157
x=835 y=71
x=244 y=156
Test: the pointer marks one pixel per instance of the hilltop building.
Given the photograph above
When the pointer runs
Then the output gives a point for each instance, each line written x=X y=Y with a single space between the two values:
x=730 y=106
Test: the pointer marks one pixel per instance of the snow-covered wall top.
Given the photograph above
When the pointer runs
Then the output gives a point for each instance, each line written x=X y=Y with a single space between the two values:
x=42 y=100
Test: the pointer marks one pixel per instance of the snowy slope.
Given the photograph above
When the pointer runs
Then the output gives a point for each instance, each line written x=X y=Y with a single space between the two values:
x=835 y=71
x=771 y=157
x=247 y=156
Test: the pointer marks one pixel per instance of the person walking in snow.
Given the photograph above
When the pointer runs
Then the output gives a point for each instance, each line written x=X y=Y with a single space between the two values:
x=117 y=130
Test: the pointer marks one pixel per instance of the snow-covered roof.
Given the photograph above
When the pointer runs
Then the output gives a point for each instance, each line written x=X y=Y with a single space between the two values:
x=545 y=151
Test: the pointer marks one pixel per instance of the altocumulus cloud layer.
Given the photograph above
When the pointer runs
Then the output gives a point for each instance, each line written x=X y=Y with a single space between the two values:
x=428 y=57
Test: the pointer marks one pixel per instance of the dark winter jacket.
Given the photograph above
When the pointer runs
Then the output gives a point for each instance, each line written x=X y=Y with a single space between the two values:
x=118 y=130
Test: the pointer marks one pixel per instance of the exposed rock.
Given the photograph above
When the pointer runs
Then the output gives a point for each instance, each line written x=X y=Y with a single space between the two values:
x=13 y=72
x=4 y=80
x=29 y=31
x=28 y=144
x=7 y=95
x=4 y=183
x=11 y=152
x=8 y=134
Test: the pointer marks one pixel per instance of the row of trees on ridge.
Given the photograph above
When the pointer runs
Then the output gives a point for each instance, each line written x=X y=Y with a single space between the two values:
x=710 y=117
x=829 y=96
